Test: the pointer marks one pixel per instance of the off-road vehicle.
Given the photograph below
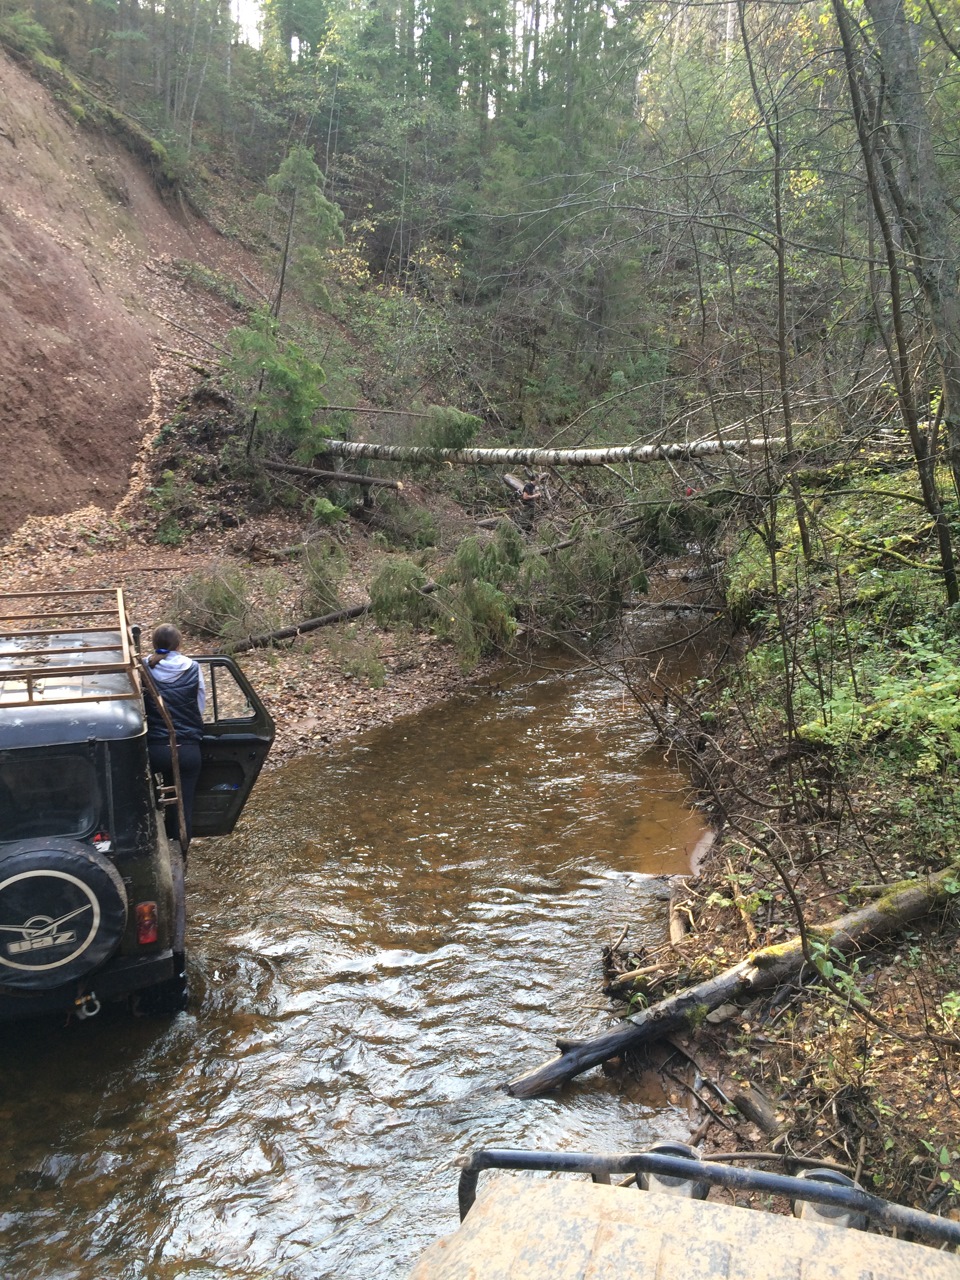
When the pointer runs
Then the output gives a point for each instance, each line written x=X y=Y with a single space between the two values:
x=91 y=887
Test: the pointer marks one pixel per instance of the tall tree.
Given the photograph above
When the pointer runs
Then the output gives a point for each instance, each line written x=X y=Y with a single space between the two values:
x=894 y=134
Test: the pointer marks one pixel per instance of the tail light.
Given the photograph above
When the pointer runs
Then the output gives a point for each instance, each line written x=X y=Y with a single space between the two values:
x=146 y=914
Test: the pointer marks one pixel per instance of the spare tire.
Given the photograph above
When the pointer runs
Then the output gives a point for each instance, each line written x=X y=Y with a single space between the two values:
x=63 y=910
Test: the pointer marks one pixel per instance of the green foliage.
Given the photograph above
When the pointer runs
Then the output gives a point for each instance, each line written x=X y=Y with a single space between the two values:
x=887 y=660
x=950 y=1009
x=172 y=500
x=474 y=611
x=888 y=600
x=301 y=22
x=747 y=577
x=229 y=603
x=325 y=512
x=840 y=970
x=943 y=1158
x=397 y=597
x=669 y=529
x=477 y=618
x=324 y=566
x=494 y=560
x=21 y=32
x=493 y=585
x=404 y=522
x=280 y=383
x=911 y=704
x=471 y=607
x=309 y=221
x=582 y=587
x=448 y=428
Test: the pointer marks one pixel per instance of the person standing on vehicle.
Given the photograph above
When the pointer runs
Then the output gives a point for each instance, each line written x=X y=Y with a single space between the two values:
x=180 y=684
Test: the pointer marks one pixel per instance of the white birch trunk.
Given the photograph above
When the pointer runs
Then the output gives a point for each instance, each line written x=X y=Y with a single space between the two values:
x=545 y=457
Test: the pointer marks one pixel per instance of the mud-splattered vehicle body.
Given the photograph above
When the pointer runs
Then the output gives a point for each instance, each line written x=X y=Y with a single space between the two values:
x=92 y=898
x=549 y=1228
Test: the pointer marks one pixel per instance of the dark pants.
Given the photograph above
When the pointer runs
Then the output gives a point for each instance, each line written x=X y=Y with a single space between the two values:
x=188 y=755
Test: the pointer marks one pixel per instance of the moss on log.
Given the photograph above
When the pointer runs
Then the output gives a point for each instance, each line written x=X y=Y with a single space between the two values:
x=767 y=967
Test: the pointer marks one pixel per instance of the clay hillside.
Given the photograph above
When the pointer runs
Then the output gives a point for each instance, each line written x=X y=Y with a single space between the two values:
x=94 y=307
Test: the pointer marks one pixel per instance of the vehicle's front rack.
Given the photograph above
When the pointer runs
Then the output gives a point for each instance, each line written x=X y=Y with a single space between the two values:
x=603 y=1167
x=53 y=653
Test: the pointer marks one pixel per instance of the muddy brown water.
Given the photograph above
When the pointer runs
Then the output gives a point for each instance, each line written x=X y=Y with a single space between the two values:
x=394 y=930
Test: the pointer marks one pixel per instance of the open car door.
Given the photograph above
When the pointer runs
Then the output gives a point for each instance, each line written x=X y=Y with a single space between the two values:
x=238 y=732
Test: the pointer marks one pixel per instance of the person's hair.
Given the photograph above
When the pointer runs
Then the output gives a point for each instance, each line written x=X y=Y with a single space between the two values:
x=166 y=639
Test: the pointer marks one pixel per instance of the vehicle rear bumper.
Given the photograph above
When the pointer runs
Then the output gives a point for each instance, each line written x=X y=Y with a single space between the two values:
x=117 y=978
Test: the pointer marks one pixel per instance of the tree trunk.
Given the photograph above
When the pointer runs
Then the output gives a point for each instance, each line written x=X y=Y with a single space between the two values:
x=879 y=172
x=926 y=212
x=342 y=477
x=544 y=457
x=311 y=624
x=766 y=968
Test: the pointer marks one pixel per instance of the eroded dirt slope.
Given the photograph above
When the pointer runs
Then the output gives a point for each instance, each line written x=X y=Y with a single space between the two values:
x=91 y=294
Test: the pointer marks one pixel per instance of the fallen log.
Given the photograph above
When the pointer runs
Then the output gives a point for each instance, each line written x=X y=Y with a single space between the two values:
x=545 y=457
x=672 y=606
x=680 y=922
x=310 y=624
x=342 y=477
x=769 y=967
x=299 y=629
x=755 y=1105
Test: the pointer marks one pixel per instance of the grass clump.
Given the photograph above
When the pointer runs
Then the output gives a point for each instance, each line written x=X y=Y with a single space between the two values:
x=324 y=567
x=220 y=286
x=229 y=603
x=358 y=655
x=405 y=524
x=397 y=595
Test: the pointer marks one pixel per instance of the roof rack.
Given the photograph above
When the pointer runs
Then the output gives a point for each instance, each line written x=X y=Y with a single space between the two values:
x=65 y=646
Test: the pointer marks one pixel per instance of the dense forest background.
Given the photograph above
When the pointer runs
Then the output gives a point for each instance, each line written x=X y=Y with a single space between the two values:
x=581 y=220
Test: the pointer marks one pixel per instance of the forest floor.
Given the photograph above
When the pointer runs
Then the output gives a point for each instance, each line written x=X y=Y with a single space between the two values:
x=310 y=689
x=856 y=1072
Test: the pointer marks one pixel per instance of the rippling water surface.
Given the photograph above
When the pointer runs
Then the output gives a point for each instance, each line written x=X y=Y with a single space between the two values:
x=393 y=931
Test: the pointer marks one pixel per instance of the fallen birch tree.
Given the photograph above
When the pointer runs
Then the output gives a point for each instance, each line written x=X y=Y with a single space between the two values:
x=769 y=967
x=545 y=457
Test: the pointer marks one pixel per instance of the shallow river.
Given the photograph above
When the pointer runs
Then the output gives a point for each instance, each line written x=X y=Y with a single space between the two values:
x=393 y=931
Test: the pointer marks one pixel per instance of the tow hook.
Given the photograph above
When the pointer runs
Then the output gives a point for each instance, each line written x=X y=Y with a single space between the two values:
x=87 y=1006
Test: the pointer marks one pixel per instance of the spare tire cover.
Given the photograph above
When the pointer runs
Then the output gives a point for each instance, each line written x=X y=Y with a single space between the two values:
x=63 y=910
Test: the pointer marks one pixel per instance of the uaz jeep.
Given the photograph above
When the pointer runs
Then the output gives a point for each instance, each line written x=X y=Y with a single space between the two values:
x=91 y=887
